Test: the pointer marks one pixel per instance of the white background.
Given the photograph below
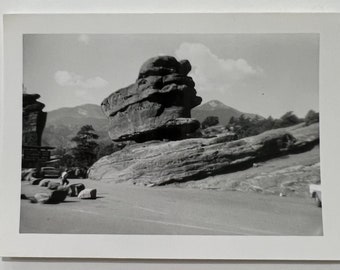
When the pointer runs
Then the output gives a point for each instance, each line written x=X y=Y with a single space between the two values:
x=145 y=6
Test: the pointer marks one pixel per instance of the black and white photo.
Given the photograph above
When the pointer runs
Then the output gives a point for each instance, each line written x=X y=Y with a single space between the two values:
x=198 y=134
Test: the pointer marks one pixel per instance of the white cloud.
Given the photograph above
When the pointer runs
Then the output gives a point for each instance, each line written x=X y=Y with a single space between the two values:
x=212 y=73
x=65 y=78
x=84 y=38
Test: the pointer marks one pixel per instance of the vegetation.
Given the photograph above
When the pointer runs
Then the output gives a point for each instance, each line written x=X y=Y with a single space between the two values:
x=210 y=121
x=245 y=126
x=311 y=117
x=66 y=159
x=84 y=153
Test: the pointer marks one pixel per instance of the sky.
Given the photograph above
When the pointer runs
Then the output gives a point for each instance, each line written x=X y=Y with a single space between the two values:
x=266 y=74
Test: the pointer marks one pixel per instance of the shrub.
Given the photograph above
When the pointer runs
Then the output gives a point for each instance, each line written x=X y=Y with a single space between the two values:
x=210 y=121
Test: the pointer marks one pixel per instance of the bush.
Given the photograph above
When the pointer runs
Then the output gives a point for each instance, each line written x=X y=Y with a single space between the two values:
x=245 y=126
x=311 y=117
x=210 y=121
x=289 y=119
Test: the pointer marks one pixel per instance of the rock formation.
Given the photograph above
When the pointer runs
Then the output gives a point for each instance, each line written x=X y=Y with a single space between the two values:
x=34 y=120
x=159 y=163
x=157 y=106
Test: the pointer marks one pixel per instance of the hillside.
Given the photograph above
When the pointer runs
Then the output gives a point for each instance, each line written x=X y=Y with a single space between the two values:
x=219 y=109
x=62 y=124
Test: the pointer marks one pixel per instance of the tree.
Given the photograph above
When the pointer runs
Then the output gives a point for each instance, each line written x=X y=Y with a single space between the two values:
x=65 y=156
x=289 y=119
x=311 y=117
x=85 y=150
x=210 y=121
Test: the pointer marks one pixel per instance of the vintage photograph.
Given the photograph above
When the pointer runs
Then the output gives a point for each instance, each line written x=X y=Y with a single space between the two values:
x=171 y=134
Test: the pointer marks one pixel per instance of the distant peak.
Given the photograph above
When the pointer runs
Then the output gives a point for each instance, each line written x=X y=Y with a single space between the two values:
x=213 y=105
x=82 y=111
x=216 y=103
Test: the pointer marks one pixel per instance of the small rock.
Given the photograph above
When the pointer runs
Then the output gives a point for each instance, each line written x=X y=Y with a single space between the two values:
x=44 y=182
x=53 y=185
x=88 y=194
x=35 y=181
x=75 y=189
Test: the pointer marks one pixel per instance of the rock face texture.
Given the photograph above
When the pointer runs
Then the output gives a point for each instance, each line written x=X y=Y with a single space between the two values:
x=157 y=106
x=34 y=120
x=159 y=163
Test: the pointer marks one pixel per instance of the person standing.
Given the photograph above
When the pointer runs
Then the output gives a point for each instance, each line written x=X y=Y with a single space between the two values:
x=64 y=177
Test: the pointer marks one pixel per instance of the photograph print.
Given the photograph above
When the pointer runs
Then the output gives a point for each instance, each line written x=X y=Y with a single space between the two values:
x=171 y=134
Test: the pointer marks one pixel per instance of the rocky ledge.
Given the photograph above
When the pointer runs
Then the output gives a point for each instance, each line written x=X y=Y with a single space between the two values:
x=159 y=163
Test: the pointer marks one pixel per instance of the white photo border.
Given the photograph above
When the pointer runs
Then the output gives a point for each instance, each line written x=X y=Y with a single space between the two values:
x=14 y=244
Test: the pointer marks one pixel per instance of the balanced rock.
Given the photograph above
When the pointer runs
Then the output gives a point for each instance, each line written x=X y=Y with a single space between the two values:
x=156 y=106
x=88 y=194
x=159 y=163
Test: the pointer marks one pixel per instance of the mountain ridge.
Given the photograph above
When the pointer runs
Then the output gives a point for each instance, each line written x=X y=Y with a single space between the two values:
x=219 y=109
x=63 y=124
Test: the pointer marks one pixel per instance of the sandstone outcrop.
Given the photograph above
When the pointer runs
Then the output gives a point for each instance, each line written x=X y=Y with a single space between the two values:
x=34 y=120
x=157 y=106
x=159 y=163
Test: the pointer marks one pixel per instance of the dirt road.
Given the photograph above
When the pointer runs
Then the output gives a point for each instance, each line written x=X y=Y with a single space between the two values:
x=122 y=209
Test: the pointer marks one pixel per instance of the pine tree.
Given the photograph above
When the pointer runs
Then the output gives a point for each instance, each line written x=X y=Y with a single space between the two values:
x=85 y=150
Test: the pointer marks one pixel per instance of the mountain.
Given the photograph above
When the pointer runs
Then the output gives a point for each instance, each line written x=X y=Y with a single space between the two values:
x=64 y=123
x=219 y=109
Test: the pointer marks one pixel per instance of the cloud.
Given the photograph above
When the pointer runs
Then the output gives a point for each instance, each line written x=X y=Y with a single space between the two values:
x=65 y=78
x=212 y=73
x=84 y=38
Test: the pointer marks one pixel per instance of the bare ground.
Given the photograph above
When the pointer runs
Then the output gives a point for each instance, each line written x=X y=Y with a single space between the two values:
x=126 y=209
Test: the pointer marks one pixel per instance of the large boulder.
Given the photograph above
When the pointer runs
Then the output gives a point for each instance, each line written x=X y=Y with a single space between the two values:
x=156 y=106
x=56 y=196
x=159 y=163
